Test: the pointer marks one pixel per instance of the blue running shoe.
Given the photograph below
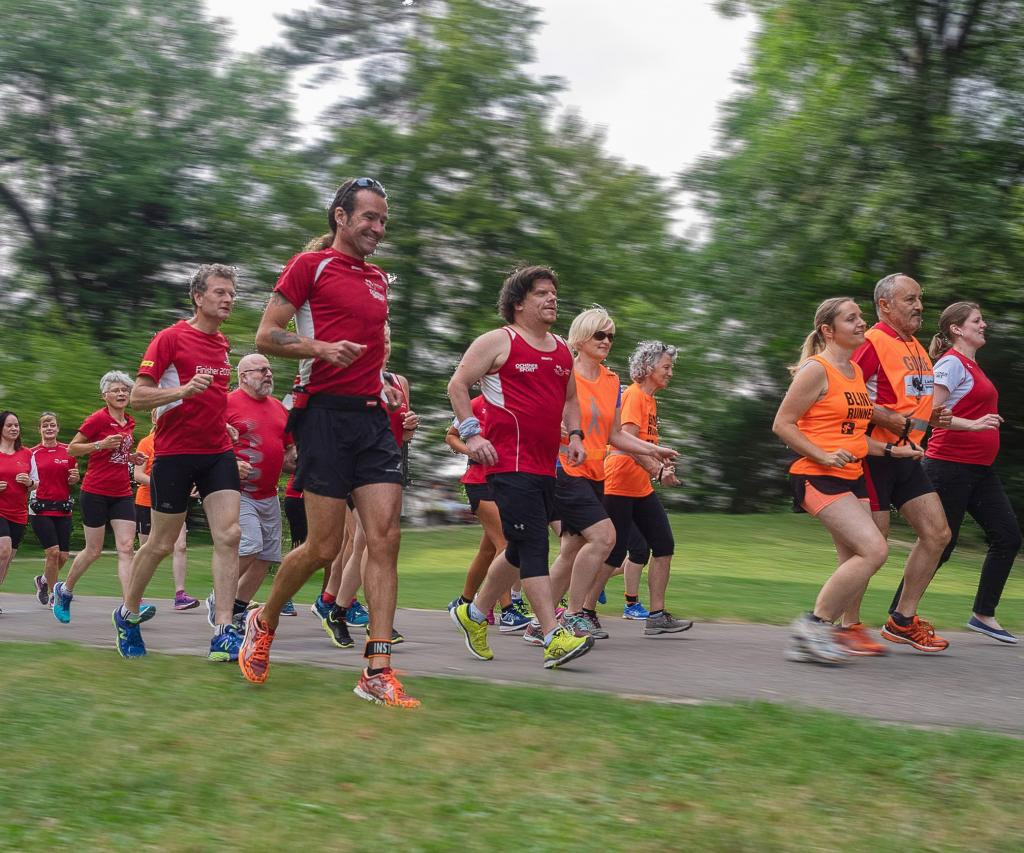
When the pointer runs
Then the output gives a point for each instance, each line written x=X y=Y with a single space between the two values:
x=288 y=608
x=455 y=602
x=129 y=636
x=62 y=603
x=146 y=612
x=512 y=620
x=356 y=615
x=635 y=611
x=319 y=609
x=225 y=645
x=602 y=598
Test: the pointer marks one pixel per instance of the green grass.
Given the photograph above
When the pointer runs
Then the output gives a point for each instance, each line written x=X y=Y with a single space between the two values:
x=757 y=568
x=174 y=754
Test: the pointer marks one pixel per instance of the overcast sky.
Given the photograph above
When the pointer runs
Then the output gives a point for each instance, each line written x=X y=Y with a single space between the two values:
x=652 y=73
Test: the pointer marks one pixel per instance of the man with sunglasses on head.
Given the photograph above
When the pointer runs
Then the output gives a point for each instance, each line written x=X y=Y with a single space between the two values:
x=898 y=374
x=340 y=425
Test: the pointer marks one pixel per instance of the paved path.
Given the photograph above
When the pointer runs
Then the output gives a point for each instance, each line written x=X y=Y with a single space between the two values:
x=976 y=682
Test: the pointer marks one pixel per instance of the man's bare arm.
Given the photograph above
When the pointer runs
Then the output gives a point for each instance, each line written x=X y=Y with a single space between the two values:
x=485 y=355
x=274 y=338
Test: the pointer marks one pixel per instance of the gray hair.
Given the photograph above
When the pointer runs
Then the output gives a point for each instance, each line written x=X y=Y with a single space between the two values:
x=645 y=356
x=199 y=279
x=885 y=287
x=113 y=377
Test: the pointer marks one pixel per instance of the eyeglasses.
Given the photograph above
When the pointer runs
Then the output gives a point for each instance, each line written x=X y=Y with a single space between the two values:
x=604 y=336
x=362 y=184
x=265 y=371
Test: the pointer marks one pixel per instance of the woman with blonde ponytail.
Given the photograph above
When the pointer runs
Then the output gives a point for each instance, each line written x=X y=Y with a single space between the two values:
x=959 y=458
x=824 y=417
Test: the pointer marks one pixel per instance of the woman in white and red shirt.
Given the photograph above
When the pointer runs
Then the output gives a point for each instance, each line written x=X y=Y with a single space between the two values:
x=106 y=437
x=15 y=483
x=959 y=460
x=55 y=472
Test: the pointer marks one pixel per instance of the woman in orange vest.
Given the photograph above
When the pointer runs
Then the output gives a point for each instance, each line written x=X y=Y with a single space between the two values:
x=824 y=417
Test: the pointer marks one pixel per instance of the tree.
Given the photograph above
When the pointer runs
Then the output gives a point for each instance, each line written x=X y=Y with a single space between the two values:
x=481 y=177
x=132 y=145
x=869 y=137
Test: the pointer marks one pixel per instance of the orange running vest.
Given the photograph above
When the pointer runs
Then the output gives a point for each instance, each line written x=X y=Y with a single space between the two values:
x=838 y=421
x=598 y=401
x=909 y=370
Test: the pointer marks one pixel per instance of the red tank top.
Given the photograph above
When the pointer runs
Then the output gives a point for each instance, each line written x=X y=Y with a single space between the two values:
x=525 y=398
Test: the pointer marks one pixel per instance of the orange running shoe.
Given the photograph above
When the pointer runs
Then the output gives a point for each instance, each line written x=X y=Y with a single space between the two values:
x=254 y=654
x=857 y=641
x=384 y=689
x=919 y=634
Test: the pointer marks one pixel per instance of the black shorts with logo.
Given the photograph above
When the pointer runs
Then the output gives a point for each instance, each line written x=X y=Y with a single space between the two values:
x=173 y=477
x=892 y=482
x=97 y=510
x=339 y=451
x=526 y=504
x=579 y=502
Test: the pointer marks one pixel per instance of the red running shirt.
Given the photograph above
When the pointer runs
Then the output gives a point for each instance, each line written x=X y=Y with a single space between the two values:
x=262 y=440
x=338 y=298
x=14 y=499
x=476 y=474
x=971 y=396
x=194 y=425
x=51 y=467
x=107 y=472
x=525 y=400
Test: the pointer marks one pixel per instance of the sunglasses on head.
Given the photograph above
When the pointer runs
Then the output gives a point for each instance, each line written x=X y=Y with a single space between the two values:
x=361 y=184
x=604 y=336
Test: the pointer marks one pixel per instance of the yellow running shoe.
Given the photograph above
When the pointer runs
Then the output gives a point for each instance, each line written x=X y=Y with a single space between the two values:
x=564 y=647
x=476 y=632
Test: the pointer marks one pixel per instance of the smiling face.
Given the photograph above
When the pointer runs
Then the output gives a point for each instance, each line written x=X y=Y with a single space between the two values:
x=904 y=309
x=847 y=327
x=661 y=375
x=972 y=332
x=48 y=429
x=599 y=345
x=540 y=305
x=360 y=233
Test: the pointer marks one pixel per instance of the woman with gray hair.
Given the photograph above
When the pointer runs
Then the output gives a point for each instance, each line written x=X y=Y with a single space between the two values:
x=629 y=496
x=106 y=438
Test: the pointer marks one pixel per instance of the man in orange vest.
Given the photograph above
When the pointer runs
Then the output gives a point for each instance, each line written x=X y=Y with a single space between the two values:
x=898 y=373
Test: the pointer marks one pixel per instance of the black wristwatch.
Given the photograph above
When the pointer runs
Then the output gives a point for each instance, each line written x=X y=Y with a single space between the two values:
x=578 y=432
x=888 y=449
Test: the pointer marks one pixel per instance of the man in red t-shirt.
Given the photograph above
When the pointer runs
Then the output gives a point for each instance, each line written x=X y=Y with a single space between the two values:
x=263 y=448
x=527 y=378
x=185 y=374
x=346 y=449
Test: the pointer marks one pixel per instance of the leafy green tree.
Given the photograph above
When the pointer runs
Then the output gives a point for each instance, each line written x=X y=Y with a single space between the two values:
x=132 y=146
x=869 y=137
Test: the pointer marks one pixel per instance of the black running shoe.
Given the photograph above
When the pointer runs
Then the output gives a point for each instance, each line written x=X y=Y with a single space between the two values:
x=337 y=630
x=42 y=590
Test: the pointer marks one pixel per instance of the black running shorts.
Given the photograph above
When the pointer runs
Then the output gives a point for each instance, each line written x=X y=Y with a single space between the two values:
x=340 y=451
x=295 y=512
x=143 y=519
x=893 y=482
x=15 y=531
x=52 y=530
x=526 y=505
x=97 y=510
x=476 y=492
x=579 y=503
x=173 y=477
x=649 y=517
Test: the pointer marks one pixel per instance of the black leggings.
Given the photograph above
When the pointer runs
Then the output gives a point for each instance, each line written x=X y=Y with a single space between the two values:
x=976 y=489
x=650 y=519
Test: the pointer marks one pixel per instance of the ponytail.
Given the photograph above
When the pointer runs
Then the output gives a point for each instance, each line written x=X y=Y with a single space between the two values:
x=815 y=341
x=318 y=244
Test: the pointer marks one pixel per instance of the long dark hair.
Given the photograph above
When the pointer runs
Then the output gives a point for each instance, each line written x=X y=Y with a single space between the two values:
x=3 y=422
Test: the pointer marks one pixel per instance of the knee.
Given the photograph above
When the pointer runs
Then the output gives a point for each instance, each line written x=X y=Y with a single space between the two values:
x=876 y=553
x=227 y=536
x=6 y=552
x=53 y=552
x=604 y=536
x=92 y=552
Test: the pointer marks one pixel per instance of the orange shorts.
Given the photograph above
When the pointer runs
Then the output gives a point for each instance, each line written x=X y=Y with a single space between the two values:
x=811 y=494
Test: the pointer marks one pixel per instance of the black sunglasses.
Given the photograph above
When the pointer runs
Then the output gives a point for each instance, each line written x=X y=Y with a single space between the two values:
x=360 y=184
x=604 y=336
